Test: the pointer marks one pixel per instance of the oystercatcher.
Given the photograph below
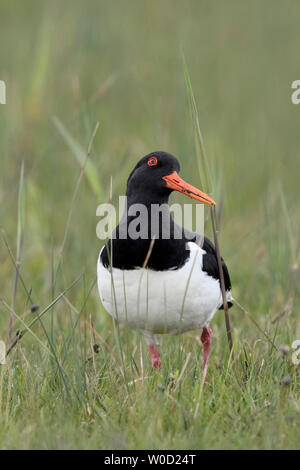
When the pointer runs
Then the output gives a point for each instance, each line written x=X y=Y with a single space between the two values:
x=157 y=277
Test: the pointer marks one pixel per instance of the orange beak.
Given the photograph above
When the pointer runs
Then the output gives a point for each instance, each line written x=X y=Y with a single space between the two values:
x=178 y=184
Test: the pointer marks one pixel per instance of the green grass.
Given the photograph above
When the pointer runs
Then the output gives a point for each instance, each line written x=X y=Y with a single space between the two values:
x=68 y=66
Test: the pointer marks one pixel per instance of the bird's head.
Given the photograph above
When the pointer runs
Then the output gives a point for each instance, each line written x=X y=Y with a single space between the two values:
x=156 y=175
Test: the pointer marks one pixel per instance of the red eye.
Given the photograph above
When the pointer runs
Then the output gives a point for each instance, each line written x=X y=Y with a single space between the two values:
x=152 y=161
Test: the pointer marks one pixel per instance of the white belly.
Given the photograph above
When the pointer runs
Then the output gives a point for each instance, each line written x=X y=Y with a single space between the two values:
x=156 y=302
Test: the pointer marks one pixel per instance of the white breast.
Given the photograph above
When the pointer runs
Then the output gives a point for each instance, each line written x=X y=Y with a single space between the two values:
x=170 y=301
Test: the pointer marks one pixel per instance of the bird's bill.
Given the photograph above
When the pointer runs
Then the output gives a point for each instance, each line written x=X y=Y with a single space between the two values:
x=178 y=184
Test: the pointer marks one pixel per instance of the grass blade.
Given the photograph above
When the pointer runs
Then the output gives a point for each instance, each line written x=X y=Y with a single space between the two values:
x=80 y=155
x=28 y=327
x=203 y=166
x=85 y=163
x=20 y=233
x=199 y=142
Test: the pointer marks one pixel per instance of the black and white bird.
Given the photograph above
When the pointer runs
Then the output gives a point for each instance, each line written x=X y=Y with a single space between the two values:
x=154 y=283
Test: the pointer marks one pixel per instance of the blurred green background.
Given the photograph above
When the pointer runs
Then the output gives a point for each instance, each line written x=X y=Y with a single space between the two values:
x=70 y=64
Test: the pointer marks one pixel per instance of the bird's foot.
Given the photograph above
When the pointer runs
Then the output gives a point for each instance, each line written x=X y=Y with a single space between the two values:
x=155 y=357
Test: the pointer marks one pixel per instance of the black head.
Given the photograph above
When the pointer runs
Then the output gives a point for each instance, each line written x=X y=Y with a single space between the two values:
x=155 y=176
x=146 y=179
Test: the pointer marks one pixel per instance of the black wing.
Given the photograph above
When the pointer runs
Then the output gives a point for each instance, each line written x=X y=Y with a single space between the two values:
x=210 y=265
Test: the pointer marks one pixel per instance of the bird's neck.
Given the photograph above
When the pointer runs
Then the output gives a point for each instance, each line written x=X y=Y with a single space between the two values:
x=147 y=228
x=147 y=198
x=149 y=217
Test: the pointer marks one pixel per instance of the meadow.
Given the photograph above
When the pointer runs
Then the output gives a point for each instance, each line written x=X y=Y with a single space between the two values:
x=76 y=380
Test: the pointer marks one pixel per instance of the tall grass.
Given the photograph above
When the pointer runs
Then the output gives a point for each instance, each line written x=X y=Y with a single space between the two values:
x=204 y=169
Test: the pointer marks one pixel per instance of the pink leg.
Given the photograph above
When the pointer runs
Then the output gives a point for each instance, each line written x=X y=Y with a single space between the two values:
x=206 y=341
x=155 y=357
